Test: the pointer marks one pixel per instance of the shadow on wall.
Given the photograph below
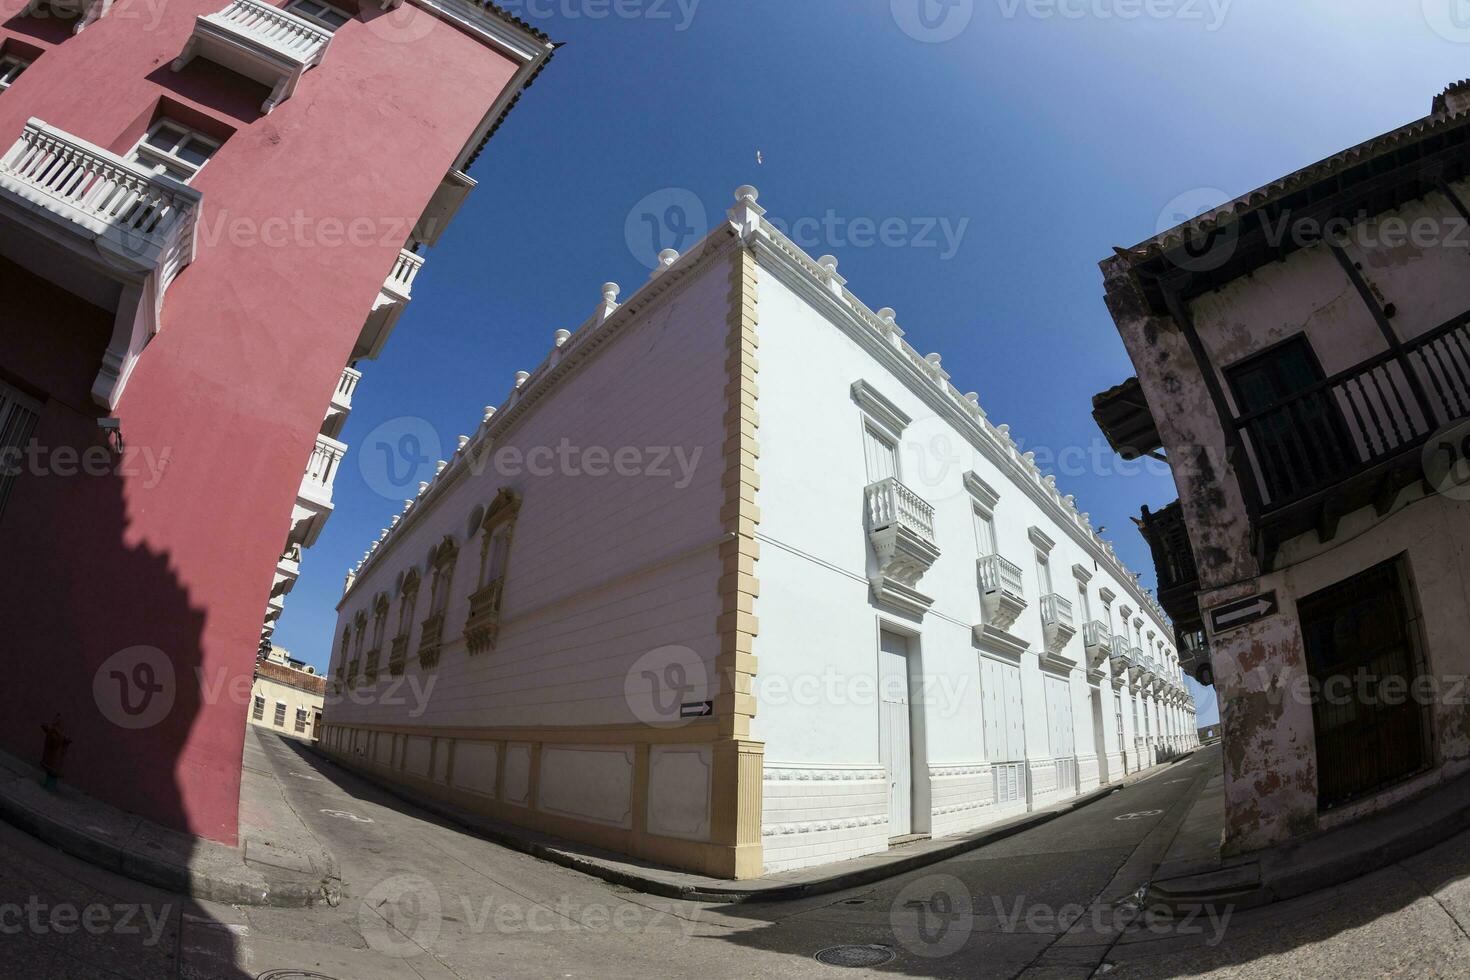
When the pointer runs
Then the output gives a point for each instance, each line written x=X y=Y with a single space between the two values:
x=98 y=630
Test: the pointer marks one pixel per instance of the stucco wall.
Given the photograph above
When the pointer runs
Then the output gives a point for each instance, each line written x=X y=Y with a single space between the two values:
x=818 y=644
x=234 y=387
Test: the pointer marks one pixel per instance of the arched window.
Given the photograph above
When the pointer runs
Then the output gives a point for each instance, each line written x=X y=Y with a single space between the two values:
x=441 y=580
x=482 y=628
x=379 y=628
x=359 y=635
x=343 y=655
x=408 y=599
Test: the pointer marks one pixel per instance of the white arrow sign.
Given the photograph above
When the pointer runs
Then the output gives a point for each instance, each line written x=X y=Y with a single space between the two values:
x=1237 y=614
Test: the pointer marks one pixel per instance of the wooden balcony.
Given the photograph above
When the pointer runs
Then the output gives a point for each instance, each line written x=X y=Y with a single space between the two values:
x=398 y=655
x=1173 y=554
x=431 y=636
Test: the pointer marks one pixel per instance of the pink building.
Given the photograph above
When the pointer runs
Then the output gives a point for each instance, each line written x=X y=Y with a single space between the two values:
x=1303 y=358
x=209 y=210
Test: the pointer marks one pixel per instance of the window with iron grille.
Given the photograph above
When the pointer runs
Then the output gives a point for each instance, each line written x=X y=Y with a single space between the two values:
x=258 y=713
x=280 y=714
x=18 y=415
x=301 y=719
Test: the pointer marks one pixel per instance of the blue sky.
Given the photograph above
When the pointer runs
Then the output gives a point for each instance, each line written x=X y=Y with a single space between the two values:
x=1023 y=139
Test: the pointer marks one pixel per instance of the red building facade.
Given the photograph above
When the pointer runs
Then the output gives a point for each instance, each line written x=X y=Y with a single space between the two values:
x=209 y=210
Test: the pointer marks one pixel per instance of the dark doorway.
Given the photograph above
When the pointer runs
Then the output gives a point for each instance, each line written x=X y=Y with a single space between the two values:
x=1362 y=653
x=1292 y=418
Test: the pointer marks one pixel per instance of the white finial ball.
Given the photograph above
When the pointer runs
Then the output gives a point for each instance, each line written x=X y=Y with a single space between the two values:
x=746 y=193
x=973 y=397
x=610 y=292
x=423 y=486
x=668 y=257
x=489 y=412
x=561 y=337
x=522 y=377
x=464 y=441
x=439 y=466
x=887 y=315
x=933 y=359
x=828 y=262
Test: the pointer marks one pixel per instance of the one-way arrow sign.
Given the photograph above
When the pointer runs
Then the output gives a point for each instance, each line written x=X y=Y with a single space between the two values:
x=696 y=709
x=1242 y=612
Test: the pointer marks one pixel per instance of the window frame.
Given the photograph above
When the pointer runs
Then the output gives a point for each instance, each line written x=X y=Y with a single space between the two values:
x=20 y=64
x=280 y=714
x=294 y=7
x=15 y=432
x=160 y=161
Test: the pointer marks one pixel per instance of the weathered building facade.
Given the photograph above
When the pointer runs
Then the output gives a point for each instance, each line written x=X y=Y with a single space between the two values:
x=696 y=592
x=1303 y=359
x=209 y=209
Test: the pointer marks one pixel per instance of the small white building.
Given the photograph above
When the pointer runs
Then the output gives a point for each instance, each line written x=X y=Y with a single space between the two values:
x=737 y=581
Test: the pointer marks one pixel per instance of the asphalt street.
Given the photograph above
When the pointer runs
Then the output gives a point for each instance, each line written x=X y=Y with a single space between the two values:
x=428 y=900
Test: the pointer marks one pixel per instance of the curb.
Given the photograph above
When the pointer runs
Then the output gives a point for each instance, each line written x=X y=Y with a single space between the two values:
x=1252 y=882
x=735 y=892
x=178 y=879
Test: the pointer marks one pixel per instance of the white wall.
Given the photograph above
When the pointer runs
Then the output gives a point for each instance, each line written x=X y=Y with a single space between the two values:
x=818 y=641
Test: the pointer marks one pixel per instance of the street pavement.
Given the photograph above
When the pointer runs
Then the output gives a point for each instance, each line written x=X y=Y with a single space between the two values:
x=424 y=899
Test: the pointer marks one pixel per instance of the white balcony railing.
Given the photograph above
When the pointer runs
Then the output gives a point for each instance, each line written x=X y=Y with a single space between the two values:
x=405 y=270
x=142 y=216
x=1095 y=636
x=132 y=225
x=1056 y=611
x=321 y=470
x=999 y=575
x=891 y=503
x=260 y=41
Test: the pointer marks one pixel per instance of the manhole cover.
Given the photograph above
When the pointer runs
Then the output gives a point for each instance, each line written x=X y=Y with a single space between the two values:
x=855 y=955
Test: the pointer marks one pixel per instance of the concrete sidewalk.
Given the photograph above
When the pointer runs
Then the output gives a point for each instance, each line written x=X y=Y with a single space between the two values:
x=783 y=886
x=1194 y=873
x=277 y=862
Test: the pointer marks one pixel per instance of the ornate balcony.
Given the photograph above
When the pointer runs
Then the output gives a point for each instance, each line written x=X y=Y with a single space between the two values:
x=352 y=673
x=431 y=637
x=392 y=300
x=314 y=498
x=1098 y=641
x=1136 y=664
x=132 y=230
x=901 y=529
x=1002 y=591
x=288 y=569
x=1173 y=554
x=1056 y=623
x=341 y=404
x=262 y=42
x=398 y=655
x=370 y=666
x=483 y=626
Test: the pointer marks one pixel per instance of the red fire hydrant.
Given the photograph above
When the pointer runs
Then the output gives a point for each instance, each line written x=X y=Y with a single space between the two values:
x=54 y=751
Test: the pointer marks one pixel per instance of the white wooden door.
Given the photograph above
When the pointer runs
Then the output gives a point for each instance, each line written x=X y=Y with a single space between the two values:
x=894 y=742
x=882 y=455
x=1059 y=718
x=1004 y=727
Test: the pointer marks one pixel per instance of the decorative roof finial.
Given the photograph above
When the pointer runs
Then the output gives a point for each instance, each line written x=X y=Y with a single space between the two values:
x=666 y=260
x=561 y=337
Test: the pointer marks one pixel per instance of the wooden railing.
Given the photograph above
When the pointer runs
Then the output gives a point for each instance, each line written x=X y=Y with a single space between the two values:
x=1377 y=410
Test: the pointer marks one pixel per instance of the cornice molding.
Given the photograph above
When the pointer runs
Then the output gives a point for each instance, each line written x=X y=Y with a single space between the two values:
x=882 y=411
x=985 y=495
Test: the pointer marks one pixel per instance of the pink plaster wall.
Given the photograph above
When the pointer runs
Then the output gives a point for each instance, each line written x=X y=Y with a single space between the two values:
x=233 y=388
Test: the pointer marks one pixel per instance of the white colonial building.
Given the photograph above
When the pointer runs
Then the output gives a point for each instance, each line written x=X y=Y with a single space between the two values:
x=702 y=590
